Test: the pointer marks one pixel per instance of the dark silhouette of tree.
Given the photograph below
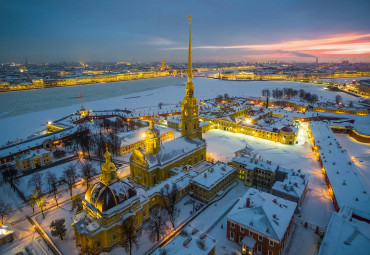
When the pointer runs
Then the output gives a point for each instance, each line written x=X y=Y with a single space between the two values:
x=338 y=99
x=9 y=173
x=35 y=181
x=58 y=228
x=88 y=173
x=51 y=178
x=69 y=176
x=169 y=196
x=156 y=225
x=4 y=210
x=129 y=235
x=160 y=104
x=76 y=204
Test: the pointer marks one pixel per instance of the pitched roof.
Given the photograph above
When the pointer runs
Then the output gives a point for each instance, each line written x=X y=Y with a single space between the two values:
x=267 y=214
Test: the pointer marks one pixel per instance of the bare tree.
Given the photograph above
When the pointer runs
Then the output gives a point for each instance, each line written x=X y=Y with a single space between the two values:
x=4 y=210
x=156 y=225
x=51 y=178
x=160 y=104
x=129 y=234
x=35 y=181
x=9 y=173
x=76 y=204
x=169 y=196
x=70 y=176
x=338 y=99
x=38 y=199
x=88 y=173
x=55 y=192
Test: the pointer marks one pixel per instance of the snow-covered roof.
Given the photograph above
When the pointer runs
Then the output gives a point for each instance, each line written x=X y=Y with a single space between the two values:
x=344 y=236
x=172 y=150
x=5 y=230
x=267 y=214
x=294 y=184
x=215 y=174
x=181 y=178
x=348 y=187
x=31 y=154
x=254 y=162
x=190 y=241
x=134 y=136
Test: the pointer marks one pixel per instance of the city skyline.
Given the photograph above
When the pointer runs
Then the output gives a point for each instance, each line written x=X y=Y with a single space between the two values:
x=146 y=31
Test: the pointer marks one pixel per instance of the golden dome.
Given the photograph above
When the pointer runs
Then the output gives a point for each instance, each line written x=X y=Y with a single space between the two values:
x=104 y=197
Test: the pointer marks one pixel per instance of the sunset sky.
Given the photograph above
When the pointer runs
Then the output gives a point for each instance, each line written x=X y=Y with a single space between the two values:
x=285 y=30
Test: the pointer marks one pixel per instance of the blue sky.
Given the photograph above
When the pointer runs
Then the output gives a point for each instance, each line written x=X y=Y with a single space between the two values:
x=52 y=31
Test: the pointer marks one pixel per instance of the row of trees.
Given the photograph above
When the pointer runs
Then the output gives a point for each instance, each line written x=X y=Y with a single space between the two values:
x=289 y=93
x=69 y=176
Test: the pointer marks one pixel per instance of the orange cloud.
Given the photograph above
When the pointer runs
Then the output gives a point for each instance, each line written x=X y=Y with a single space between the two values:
x=343 y=44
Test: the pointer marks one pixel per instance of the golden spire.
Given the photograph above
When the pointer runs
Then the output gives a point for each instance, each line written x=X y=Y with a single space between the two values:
x=190 y=73
x=189 y=84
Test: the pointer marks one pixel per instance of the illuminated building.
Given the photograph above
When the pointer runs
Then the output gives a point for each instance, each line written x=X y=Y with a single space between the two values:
x=106 y=205
x=153 y=165
x=206 y=185
x=32 y=159
x=260 y=223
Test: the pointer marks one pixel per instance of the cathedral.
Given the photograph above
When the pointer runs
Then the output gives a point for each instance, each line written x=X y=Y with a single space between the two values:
x=152 y=165
x=110 y=201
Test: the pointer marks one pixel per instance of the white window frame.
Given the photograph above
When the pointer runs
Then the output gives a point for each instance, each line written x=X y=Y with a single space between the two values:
x=260 y=238
x=270 y=252
x=272 y=243
x=232 y=225
x=241 y=230
x=259 y=248
x=231 y=235
x=250 y=233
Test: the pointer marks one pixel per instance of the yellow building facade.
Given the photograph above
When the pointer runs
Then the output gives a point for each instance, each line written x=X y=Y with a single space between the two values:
x=32 y=159
x=106 y=205
x=153 y=164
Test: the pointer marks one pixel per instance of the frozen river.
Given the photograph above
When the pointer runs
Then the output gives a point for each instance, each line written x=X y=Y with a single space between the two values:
x=21 y=102
x=26 y=112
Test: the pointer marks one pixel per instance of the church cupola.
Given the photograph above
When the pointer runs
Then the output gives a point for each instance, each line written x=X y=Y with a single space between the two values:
x=152 y=139
x=108 y=171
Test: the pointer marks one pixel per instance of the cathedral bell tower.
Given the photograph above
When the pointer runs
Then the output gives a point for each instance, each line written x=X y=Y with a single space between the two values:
x=152 y=139
x=190 y=108
x=108 y=173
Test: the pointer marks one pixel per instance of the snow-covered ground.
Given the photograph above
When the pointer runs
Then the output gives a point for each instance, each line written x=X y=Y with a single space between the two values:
x=145 y=243
x=21 y=126
x=67 y=245
x=25 y=239
x=360 y=154
x=58 y=170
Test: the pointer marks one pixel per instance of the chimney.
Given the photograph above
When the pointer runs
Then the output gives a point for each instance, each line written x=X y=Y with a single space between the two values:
x=248 y=202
